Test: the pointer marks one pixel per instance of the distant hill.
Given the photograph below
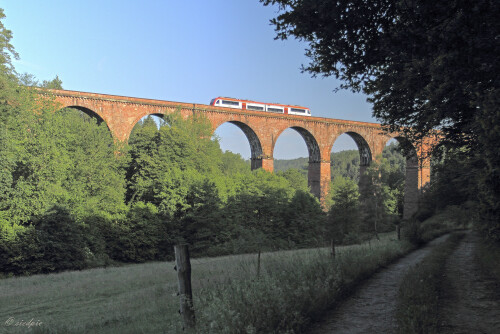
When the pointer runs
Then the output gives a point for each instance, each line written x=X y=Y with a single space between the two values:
x=284 y=164
x=345 y=163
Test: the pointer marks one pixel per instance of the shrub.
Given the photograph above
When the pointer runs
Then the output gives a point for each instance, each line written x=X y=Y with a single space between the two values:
x=412 y=232
x=53 y=243
x=61 y=241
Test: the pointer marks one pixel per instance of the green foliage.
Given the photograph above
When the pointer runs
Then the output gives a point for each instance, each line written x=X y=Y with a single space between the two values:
x=343 y=217
x=451 y=218
x=412 y=232
x=295 y=178
x=21 y=253
x=345 y=164
x=300 y=164
x=304 y=220
x=61 y=241
x=403 y=56
x=164 y=161
x=233 y=163
x=7 y=50
x=55 y=83
x=62 y=158
x=55 y=243
x=140 y=237
x=381 y=205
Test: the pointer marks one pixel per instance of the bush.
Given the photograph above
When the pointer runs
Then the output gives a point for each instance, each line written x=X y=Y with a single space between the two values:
x=21 y=254
x=412 y=232
x=54 y=243
x=61 y=241
x=141 y=236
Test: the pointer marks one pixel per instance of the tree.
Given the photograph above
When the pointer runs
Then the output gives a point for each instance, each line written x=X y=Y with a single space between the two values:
x=343 y=216
x=55 y=83
x=304 y=220
x=403 y=54
x=345 y=164
x=7 y=50
x=233 y=163
x=425 y=66
x=378 y=203
x=296 y=179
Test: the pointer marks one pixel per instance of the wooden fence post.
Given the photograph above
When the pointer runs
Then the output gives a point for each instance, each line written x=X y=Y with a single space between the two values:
x=183 y=267
x=332 y=248
x=258 y=264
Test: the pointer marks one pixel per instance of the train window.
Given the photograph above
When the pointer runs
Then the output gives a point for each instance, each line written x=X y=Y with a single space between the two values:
x=274 y=109
x=212 y=102
x=230 y=103
x=297 y=110
x=251 y=107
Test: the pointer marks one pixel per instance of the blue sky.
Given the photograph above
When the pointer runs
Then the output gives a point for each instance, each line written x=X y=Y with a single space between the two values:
x=185 y=51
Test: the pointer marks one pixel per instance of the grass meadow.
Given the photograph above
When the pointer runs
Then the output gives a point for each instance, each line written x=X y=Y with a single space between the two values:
x=293 y=287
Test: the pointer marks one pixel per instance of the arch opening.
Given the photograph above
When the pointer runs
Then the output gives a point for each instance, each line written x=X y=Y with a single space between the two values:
x=294 y=146
x=87 y=112
x=344 y=159
x=350 y=156
x=151 y=121
x=87 y=115
x=365 y=154
x=311 y=143
x=243 y=142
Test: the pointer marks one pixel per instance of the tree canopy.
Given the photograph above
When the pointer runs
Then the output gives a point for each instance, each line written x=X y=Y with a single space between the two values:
x=425 y=66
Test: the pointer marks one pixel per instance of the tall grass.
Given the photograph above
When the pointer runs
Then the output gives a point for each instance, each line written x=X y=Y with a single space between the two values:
x=418 y=298
x=292 y=290
x=293 y=287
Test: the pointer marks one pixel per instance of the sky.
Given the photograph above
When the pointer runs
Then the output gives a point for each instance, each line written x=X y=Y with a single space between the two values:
x=184 y=51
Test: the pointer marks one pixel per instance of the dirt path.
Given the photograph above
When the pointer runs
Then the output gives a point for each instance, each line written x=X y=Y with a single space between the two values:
x=469 y=304
x=371 y=308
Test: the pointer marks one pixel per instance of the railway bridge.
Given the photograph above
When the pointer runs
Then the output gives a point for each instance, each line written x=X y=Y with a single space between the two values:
x=262 y=129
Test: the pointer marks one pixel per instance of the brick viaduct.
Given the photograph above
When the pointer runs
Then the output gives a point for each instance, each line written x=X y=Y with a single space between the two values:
x=262 y=130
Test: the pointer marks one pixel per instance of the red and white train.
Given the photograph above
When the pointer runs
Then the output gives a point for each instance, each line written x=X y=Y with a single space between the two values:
x=228 y=102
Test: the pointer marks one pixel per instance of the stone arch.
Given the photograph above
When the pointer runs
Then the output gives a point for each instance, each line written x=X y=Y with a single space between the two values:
x=88 y=112
x=311 y=143
x=91 y=114
x=137 y=120
x=314 y=173
x=365 y=154
x=256 y=152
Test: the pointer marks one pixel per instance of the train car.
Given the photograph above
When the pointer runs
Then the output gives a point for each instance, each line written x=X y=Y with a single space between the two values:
x=229 y=102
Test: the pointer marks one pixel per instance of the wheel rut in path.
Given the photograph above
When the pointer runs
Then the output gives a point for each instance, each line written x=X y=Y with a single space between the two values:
x=371 y=308
x=470 y=302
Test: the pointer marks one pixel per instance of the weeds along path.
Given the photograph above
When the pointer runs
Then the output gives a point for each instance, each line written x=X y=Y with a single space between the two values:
x=371 y=308
x=471 y=301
